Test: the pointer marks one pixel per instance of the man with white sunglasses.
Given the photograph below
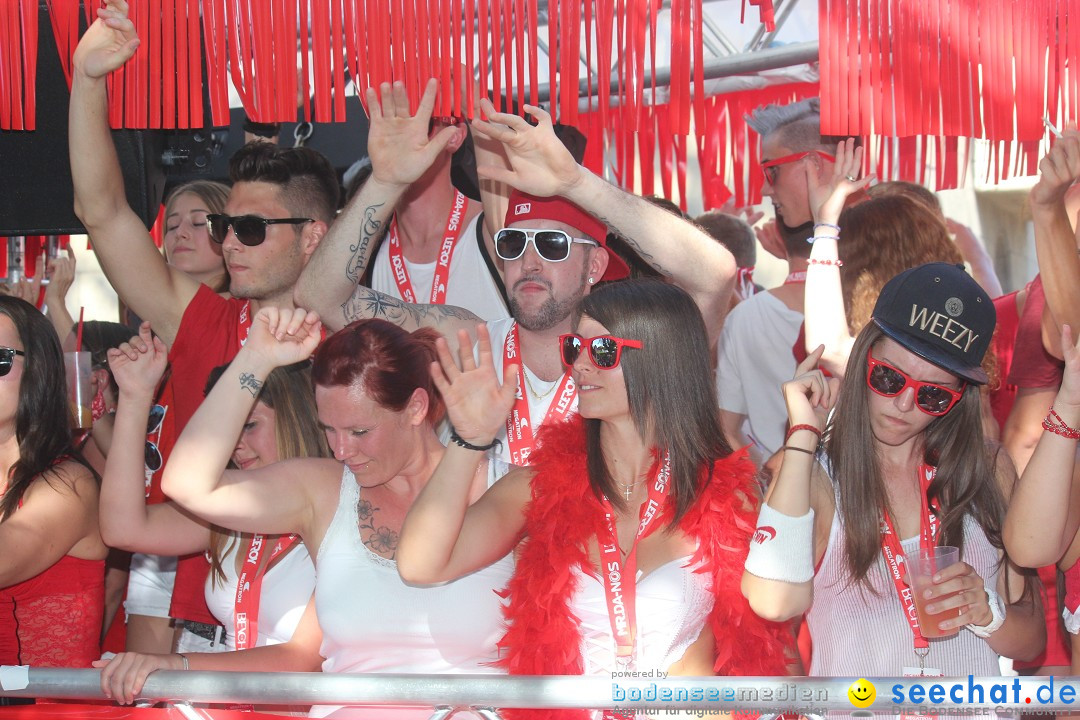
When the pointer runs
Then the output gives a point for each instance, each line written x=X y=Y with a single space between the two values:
x=552 y=251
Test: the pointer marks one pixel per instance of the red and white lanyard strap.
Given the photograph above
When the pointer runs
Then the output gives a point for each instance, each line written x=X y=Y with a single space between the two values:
x=519 y=431
x=249 y=589
x=243 y=323
x=798 y=276
x=893 y=552
x=442 y=267
x=620 y=576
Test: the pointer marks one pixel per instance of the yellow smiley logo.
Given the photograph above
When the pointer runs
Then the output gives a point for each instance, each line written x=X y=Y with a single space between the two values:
x=862 y=693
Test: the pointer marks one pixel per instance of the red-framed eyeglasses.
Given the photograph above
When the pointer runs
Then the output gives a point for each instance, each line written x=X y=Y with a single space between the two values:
x=770 y=167
x=888 y=381
x=605 y=351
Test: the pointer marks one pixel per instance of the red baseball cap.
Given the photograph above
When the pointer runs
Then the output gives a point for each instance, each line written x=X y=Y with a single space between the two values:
x=523 y=207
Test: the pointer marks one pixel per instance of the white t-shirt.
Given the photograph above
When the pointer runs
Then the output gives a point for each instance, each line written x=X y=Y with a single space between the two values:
x=755 y=359
x=286 y=589
x=539 y=393
x=469 y=286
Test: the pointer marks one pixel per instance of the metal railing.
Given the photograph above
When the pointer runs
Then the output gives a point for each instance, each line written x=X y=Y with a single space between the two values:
x=448 y=694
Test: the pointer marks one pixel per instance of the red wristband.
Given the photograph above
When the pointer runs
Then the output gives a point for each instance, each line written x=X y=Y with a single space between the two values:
x=795 y=428
x=1053 y=423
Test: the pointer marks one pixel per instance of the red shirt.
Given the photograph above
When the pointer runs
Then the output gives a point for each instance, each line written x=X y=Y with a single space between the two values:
x=209 y=336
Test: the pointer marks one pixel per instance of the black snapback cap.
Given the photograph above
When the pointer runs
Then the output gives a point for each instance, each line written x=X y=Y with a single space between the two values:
x=938 y=312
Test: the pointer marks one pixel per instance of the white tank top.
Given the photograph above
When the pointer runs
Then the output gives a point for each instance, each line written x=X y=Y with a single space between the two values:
x=469 y=285
x=372 y=622
x=673 y=604
x=857 y=633
x=286 y=589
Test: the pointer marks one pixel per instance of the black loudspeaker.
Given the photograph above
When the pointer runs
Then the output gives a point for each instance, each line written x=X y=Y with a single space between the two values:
x=36 y=194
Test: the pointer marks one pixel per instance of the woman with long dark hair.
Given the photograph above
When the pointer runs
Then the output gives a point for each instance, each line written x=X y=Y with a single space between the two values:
x=903 y=468
x=52 y=573
x=640 y=490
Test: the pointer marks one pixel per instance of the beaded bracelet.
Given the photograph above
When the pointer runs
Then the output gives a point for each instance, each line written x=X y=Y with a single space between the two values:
x=796 y=428
x=822 y=237
x=818 y=261
x=828 y=225
x=1053 y=423
x=458 y=440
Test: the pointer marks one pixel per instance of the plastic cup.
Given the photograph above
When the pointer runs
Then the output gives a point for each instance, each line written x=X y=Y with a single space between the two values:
x=77 y=369
x=922 y=568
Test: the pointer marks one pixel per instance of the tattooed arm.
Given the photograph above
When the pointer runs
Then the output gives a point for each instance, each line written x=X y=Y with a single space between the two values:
x=678 y=249
x=400 y=152
x=447 y=319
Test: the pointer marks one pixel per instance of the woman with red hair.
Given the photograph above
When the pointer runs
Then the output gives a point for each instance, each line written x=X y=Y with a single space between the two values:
x=378 y=406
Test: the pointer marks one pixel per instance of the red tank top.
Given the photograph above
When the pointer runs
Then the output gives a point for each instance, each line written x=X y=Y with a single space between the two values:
x=54 y=618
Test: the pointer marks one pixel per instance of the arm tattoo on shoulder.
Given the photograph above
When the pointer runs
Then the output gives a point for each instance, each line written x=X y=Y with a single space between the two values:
x=370 y=228
x=249 y=383
x=368 y=303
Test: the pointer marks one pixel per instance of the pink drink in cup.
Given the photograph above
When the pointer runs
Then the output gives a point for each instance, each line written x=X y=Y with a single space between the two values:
x=921 y=568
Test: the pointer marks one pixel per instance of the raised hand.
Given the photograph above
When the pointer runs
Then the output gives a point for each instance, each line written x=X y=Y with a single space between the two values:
x=476 y=402
x=138 y=364
x=61 y=274
x=108 y=43
x=810 y=395
x=29 y=288
x=827 y=199
x=283 y=336
x=540 y=164
x=399 y=144
x=123 y=676
x=1058 y=170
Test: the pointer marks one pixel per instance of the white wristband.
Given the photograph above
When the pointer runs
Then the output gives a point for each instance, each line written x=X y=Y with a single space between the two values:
x=997 y=609
x=782 y=547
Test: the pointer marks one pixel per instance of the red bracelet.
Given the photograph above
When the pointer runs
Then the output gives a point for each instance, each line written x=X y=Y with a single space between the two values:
x=795 y=428
x=1053 y=423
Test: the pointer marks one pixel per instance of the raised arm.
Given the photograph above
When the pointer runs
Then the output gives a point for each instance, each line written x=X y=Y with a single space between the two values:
x=127 y=522
x=61 y=274
x=1055 y=239
x=134 y=267
x=400 y=152
x=779 y=577
x=678 y=249
x=443 y=537
x=276 y=499
x=825 y=317
x=1044 y=513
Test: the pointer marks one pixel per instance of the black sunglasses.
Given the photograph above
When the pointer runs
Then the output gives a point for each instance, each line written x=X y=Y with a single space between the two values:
x=7 y=356
x=605 y=351
x=151 y=454
x=551 y=245
x=250 y=230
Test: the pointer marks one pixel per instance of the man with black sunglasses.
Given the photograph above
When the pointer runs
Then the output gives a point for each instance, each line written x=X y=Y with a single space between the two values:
x=558 y=220
x=279 y=208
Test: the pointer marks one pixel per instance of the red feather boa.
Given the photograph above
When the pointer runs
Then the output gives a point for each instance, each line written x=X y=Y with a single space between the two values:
x=544 y=636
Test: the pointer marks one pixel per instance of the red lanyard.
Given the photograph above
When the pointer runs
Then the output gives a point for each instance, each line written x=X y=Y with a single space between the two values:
x=446 y=252
x=519 y=432
x=795 y=277
x=243 y=326
x=620 y=576
x=249 y=592
x=894 y=554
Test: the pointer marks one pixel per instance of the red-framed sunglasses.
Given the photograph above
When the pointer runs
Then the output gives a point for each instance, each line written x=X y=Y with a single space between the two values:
x=770 y=167
x=888 y=381
x=605 y=351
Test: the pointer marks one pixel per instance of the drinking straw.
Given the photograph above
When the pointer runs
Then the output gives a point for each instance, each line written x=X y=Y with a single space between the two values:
x=78 y=333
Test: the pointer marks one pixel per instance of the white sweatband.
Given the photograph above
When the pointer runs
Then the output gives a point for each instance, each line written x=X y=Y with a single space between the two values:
x=997 y=609
x=782 y=547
